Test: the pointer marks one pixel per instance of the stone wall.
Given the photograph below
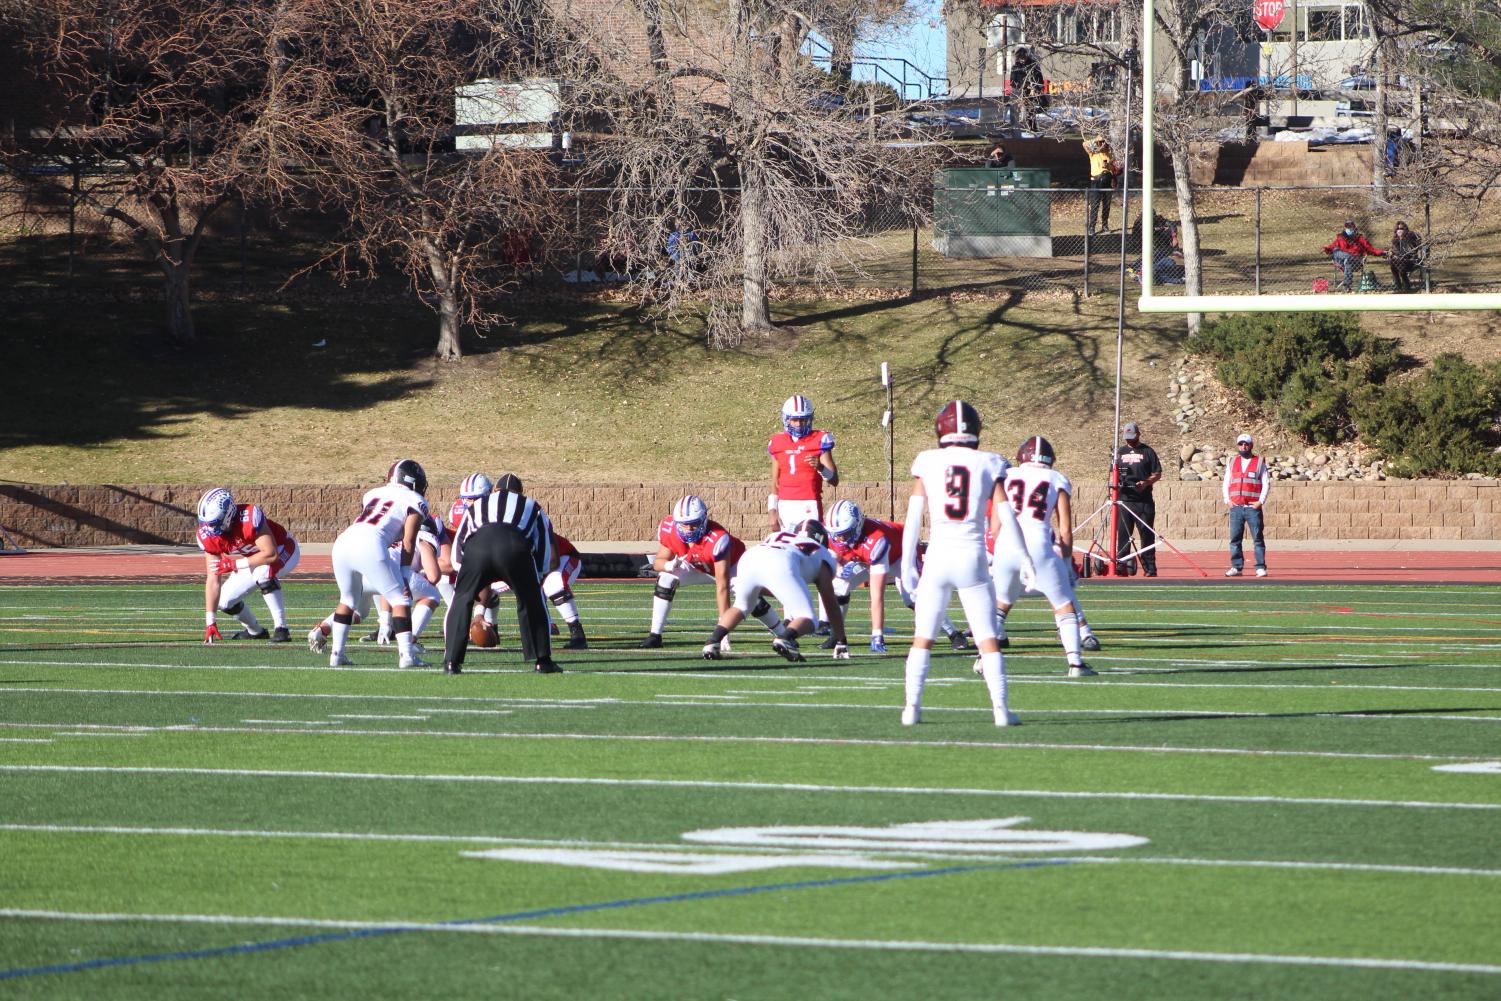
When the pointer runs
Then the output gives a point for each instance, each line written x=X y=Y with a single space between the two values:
x=38 y=516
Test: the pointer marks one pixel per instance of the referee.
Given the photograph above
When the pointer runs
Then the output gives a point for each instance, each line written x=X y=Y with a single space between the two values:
x=1139 y=470
x=504 y=536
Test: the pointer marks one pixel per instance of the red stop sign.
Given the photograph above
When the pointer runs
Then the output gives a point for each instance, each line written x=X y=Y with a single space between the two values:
x=1268 y=13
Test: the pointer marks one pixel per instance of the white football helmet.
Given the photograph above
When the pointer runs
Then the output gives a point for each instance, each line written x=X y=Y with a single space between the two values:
x=216 y=510
x=846 y=521
x=474 y=485
x=797 y=416
x=690 y=516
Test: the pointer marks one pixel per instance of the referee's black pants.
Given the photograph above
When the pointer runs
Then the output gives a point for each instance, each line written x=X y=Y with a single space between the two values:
x=498 y=552
x=1146 y=510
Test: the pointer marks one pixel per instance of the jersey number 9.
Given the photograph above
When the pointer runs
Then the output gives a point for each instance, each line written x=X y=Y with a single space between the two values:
x=956 y=488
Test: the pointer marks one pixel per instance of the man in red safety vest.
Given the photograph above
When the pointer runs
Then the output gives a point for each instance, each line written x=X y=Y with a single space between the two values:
x=1247 y=481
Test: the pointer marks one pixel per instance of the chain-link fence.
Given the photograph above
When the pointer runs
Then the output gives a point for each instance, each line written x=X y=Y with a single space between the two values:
x=985 y=238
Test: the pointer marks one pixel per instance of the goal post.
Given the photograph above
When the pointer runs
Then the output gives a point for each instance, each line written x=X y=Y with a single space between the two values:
x=1151 y=302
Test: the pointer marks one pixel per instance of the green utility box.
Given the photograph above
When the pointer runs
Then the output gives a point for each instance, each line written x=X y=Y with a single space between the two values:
x=992 y=212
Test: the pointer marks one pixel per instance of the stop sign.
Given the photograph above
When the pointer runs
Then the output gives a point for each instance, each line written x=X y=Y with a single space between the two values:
x=1268 y=13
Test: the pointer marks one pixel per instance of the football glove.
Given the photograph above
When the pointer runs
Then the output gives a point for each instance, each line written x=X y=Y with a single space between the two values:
x=226 y=566
x=211 y=634
x=724 y=645
x=841 y=651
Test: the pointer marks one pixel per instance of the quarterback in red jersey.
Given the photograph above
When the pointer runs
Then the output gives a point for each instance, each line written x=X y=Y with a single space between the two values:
x=802 y=460
x=869 y=550
x=242 y=548
x=691 y=549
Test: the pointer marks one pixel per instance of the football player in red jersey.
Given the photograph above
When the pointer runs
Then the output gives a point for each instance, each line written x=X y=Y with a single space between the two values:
x=691 y=549
x=557 y=588
x=242 y=549
x=870 y=550
x=802 y=460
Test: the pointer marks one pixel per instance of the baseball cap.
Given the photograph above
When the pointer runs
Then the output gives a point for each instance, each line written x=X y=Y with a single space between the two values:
x=1245 y=439
x=1131 y=430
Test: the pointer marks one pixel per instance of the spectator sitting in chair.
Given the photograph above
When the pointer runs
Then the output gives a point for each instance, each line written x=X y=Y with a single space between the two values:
x=1348 y=250
x=1407 y=256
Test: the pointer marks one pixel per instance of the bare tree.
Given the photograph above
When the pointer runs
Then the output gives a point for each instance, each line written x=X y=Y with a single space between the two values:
x=151 y=99
x=364 y=106
x=749 y=161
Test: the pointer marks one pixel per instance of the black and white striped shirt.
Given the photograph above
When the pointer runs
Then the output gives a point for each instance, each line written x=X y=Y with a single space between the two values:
x=521 y=513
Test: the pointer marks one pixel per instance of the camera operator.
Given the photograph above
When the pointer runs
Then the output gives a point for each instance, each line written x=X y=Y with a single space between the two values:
x=1139 y=470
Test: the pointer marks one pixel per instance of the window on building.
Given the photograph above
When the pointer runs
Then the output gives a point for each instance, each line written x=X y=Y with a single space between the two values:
x=1354 y=23
x=1324 y=24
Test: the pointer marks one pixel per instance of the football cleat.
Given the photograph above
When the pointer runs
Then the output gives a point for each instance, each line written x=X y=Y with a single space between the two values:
x=787 y=650
x=339 y=660
x=412 y=661
x=822 y=629
x=576 y=638
x=827 y=644
x=1081 y=670
x=958 y=640
x=1089 y=643
x=216 y=510
x=281 y=635
x=408 y=473
x=911 y=715
x=419 y=649
x=317 y=640
x=1036 y=449
x=246 y=634
x=475 y=485
x=690 y=518
x=797 y=416
x=1005 y=717
x=846 y=521
x=553 y=630
x=451 y=668
x=957 y=423
x=546 y=666
x=878 y=644
x=711 y=651
x=653 y=641
x=371 y=637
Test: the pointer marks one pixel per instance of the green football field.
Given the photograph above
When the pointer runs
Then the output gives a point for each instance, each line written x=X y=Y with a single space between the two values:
x=1270 y=791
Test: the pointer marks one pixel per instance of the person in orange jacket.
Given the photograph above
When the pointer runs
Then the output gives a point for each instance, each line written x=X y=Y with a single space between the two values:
x=1347 y=248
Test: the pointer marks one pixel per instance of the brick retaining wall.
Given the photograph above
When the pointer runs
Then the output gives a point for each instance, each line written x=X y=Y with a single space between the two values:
x=39 y=516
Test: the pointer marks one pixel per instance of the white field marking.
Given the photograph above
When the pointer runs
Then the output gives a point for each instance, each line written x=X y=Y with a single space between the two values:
x=289 y=722
x=752 y=691
x=867 y=945
x=481 y=839
x=990 y=836
x=469 y=712
x=1472 y=768
x=194 y=728
x=371 y=716
x=683 y=695
x=676 y=861
x=25 y=740
x=753 y=786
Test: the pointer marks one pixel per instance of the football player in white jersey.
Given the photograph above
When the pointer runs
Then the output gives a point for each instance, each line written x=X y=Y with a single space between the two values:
x=363 y=558
x=958 y=479
x=1038 y=495
x=784 y=565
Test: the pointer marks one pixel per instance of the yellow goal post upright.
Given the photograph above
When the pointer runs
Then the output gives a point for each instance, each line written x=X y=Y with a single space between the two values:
x=1151 y=302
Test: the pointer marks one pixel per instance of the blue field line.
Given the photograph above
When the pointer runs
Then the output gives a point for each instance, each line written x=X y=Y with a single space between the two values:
x=299 y=941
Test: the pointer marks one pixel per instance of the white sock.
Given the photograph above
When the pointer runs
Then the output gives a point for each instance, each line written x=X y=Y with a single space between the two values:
x=569 y=610
x=1084 y=631
x=661 y=606
x=421 y=613
x=247 y=617
x=404 y=644
x=993 y=670
x=1068 y=632
x=773 y=622
x=278 y=605
x=917 y=674
x=340 y=632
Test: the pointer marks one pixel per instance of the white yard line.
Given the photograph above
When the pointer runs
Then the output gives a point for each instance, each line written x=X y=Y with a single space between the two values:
x=867 y=945
x=812 y=741
x=748 y=786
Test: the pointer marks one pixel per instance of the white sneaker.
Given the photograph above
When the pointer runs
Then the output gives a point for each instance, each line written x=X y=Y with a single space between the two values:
x=1261 y=571
x=1081 y=670
x=911 y=715
x=1233 y=572
x=1005 y=717
x=413 y=661
x=339 y=660
x=316 y=640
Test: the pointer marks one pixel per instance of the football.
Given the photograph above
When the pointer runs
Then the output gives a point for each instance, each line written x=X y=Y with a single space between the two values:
x=482 y=634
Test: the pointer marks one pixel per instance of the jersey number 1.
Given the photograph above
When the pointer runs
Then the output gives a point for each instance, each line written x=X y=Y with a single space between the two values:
x=956 y=488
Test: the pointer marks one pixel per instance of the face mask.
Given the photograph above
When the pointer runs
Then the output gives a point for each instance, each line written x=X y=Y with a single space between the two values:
x=1349 y=232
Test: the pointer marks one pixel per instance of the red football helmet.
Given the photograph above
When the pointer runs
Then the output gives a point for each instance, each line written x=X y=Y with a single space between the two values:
x=1036 y=449
x=958 y=423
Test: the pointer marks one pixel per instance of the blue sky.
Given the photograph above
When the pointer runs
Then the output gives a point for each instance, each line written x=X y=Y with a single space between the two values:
x=923 y=43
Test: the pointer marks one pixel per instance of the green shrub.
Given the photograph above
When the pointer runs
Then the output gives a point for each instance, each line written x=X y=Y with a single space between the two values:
x=1310 y=368
x=1443 y=422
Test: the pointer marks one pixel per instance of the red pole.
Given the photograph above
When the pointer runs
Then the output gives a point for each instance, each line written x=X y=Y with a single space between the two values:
x=1112 y=568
